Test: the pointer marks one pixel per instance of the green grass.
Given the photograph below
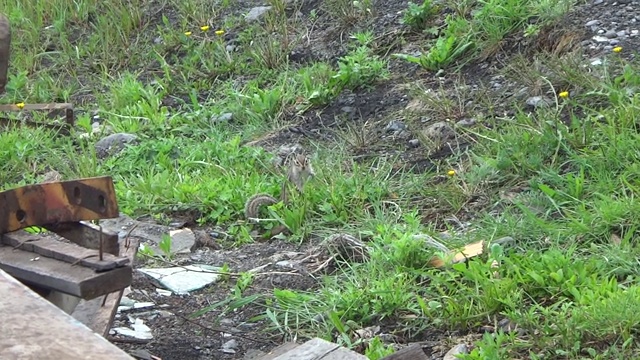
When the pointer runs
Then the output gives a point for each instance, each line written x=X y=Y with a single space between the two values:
x=561 y=181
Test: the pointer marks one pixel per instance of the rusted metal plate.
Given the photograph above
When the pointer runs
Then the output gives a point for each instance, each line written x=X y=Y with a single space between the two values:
x=54 y=203
x=47 y=246
x=5 y=50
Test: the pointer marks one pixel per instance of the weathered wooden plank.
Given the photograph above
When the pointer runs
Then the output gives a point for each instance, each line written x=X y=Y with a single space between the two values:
x=47 y=246
x=93 y=313
x=33 y=328
x=469 y=251
x=412 y=352
x=57 y=275
x=52 y=203
x=88 y=235
x=317 y=349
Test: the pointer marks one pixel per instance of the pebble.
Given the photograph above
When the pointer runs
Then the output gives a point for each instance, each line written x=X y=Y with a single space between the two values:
x=440 y=131
x=113 y=144
x=229 y=347
x=395 y=125
x=539 y=101
x=456 y=350
x=591 y=23
x=611 y=34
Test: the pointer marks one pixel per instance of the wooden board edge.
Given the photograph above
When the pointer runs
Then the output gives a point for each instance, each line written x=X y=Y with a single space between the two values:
x=103 y=315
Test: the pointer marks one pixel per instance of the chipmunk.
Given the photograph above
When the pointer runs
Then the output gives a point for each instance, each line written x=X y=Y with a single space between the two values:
x=300 y=170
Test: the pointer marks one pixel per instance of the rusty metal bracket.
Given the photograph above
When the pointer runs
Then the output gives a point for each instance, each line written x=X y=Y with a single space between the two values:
x=54 y=203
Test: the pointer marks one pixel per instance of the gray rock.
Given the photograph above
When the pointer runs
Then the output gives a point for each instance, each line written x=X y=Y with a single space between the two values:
x=113 y=144
x=222 y=118
x=539 y=101
x=414 y=142
x=466 y=122
x=591 y=23
x=229 y=347
x=395 y=125
x=182 y=241
x=438 y=132
x=597 y=2
x=456 y=350
x=256 y=13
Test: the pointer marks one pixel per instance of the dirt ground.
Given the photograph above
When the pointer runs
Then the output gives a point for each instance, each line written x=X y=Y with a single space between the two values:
x=176 y=336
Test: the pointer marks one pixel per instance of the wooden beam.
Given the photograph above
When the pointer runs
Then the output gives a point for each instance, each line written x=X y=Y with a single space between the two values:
x=33 y=328
x=96 y=315
x=57 y=275
x=87 y=235
x=46 y=245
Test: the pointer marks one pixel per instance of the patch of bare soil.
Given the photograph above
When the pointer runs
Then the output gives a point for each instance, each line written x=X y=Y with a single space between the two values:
x=178 y=335
x=361 y=118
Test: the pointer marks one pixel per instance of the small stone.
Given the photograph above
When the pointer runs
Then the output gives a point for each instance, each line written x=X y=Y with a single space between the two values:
x=226 y=322
x=611 y=34
x=539 y=101
x=598 y=2
x=256 y=13
x=614 y=42
x=348 y=109
x=466 y=122
x=414 y=143
x=621 y=33
x=395 y=125
x=440 y=131
x=222 y=118
x=600 y=39
x=230 y=48
x=456 y=350
x=113 y=144
x=591 y=23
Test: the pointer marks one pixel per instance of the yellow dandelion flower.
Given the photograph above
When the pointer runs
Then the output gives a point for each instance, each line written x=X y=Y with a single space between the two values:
x=451 y=172
x=204 y=28
x=617 y=49
x=219 y=32
x=564 y=95
x=188 y=33
x=20 y=105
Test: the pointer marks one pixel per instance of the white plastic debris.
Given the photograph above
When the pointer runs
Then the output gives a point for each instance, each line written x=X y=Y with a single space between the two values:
x=138 y=330
x=183 y=279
